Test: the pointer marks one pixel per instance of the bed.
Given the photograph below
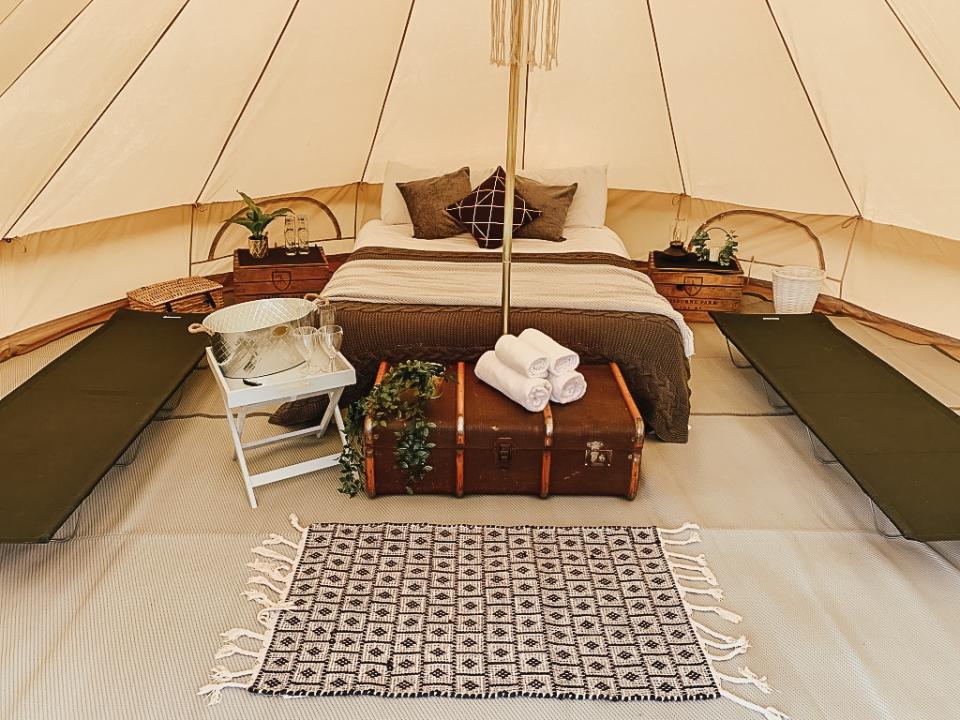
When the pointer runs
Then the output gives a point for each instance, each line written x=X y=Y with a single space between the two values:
x=400 y=297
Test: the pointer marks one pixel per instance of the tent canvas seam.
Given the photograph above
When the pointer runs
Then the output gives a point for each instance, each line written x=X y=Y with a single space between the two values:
x=666 y=98
x=246 y=103
x=930 y=65
x=99 y=117
x=813 y=108
x=383 y=107
x=45 y=47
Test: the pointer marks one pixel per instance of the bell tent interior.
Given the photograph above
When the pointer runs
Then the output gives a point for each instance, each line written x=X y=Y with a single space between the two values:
x=739 y=218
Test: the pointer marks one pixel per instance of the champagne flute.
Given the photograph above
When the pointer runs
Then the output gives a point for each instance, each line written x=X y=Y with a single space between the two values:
x=290 y=234
x=331 y=338
x=325 y=312
x=307 y=340
x=303 y=235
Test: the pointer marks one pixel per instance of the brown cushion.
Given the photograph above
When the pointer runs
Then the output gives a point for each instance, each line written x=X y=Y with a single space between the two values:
x=482 y=211
x=553 y=202
x=427 y=201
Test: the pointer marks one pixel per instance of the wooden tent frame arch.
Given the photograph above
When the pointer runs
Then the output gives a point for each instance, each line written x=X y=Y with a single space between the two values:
x=211 y=255
x=776 y=216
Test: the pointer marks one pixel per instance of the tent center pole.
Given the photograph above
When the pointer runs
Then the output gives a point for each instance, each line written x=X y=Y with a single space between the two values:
x=513 y=114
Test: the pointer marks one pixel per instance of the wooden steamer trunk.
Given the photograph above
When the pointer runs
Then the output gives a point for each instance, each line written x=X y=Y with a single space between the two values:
x=279 y=274
x=485 y=443
x=695 y=292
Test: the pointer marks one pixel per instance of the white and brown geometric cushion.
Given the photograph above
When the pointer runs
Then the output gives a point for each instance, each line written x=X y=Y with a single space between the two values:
x=482 y=212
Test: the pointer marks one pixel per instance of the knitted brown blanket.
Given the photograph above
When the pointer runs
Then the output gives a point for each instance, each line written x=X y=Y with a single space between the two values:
x=647 y=347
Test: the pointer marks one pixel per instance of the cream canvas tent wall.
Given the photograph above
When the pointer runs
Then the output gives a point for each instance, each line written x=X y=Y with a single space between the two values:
x=127 y=127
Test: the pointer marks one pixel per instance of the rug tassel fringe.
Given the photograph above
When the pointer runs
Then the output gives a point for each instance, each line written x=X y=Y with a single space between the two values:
x=689 y=578
x=234 y=634
x=675 y=531
x=259 y=598
x=214 y=690
x=272 y=554
x=229 y=650
x=715 y=593
x=278 y=568
x=295 y=522
x=263 y=582
x=739 y=650
x=708 y=637
x=271 y=570
x=707 y=573
x=768 y=713
x=717 y=610
x=221 y=674
x=276 y=539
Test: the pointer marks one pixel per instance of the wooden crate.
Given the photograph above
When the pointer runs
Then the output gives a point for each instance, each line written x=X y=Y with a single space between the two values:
x=183 y=295
x=279 y=274
x=695 y=292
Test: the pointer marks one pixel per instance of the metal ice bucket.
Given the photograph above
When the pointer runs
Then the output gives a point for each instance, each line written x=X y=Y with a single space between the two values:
x=255 y=338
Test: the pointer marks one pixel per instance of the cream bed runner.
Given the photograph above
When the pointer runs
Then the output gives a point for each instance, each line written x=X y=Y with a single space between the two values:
x=533 y=285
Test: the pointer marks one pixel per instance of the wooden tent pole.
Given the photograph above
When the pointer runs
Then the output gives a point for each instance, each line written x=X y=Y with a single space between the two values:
x=517 y=65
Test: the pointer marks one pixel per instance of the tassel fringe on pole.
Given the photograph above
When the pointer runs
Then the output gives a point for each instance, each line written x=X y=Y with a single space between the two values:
x=536 y=45
x=709 y=638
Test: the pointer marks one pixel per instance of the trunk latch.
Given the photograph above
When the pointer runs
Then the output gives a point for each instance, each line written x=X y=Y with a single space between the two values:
x=504 y=452
x=596 y=455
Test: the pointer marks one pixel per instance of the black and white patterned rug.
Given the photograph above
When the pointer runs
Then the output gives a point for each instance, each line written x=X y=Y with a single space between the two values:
x=477 y=611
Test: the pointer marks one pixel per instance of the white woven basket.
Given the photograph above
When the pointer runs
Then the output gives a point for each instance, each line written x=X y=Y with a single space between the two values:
x=796 y=287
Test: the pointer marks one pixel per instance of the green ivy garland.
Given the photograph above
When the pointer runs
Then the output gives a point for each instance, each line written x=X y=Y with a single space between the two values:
x=403 y=394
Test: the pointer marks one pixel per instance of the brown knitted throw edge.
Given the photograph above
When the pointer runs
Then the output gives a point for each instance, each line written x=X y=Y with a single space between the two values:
x=647 y=347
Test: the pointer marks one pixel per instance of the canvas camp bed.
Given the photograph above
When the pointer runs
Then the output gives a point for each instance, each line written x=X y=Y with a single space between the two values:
x=899 y=443
x=66 y=426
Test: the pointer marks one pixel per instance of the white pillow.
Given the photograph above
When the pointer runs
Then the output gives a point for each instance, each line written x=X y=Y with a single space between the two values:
x=589 y=206
x=393 y=210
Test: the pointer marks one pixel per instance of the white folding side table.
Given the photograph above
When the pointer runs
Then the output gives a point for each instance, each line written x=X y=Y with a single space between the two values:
x=239 y=398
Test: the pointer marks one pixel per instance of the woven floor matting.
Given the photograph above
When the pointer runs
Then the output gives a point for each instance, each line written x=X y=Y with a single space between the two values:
x=484 y=611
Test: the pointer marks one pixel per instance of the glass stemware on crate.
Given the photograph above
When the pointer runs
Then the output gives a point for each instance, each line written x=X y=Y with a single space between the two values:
x=303 y=235
x=290 y=234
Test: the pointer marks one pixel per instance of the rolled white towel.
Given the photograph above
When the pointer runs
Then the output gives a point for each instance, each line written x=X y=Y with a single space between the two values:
x=568 y=387
x=532 y=393
x=522 y=356
x=561 y=359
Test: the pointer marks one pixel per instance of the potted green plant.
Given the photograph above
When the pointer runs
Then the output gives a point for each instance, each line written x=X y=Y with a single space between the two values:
x=255 y=219
x=403 y=394
x=727 y=254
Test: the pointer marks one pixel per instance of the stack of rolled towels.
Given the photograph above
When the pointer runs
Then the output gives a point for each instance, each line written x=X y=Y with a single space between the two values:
x=532 y=369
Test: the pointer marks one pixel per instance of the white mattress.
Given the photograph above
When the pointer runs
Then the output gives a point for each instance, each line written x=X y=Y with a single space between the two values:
x=579 y=239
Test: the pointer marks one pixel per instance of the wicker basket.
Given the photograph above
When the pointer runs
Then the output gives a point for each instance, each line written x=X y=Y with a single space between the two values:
x=796 y=287
x=184 y=295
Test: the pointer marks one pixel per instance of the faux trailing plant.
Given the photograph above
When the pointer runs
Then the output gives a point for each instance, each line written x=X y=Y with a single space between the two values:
x=698 y=245
x=403 y=395
x=256 y=219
